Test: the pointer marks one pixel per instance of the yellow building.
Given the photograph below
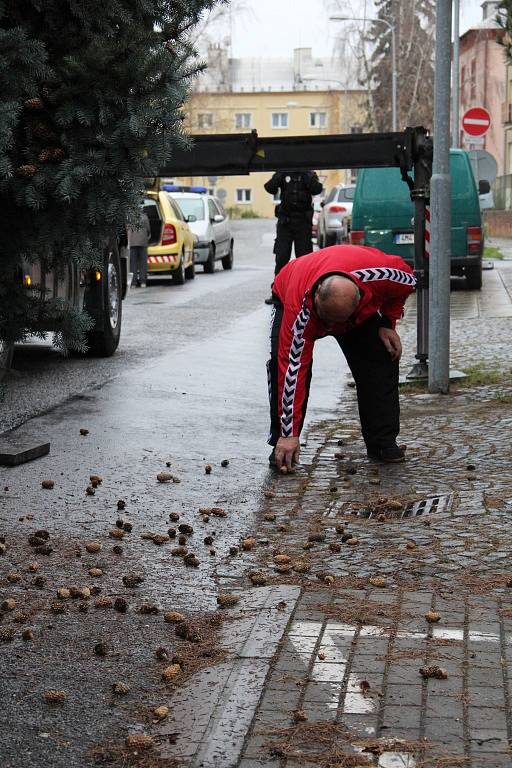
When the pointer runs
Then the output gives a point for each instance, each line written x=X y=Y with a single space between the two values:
x=302 y=96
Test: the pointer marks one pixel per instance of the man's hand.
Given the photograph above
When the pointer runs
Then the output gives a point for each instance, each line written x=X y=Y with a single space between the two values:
x=287 y=452
x=391 y=341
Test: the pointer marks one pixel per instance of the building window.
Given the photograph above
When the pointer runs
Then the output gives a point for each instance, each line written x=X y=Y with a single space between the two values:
x=279 y=119
x=243 y=119
x=463 y=84
x=205 y=120
x=243 y=195
x=317 y=119
x=356 y=129
x=472 y=90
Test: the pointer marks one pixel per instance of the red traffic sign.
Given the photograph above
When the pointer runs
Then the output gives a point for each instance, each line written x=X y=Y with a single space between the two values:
x=476 y=121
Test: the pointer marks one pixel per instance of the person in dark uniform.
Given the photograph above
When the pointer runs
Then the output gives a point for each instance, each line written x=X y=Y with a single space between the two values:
x=294 y=214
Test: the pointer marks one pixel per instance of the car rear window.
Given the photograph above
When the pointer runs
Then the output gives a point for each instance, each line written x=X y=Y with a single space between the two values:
x=191 y=206
x=346 y=194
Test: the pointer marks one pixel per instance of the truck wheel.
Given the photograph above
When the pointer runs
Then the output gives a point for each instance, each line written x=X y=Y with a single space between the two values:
x=209 y=265
x=474 y=277
x=227 y=261
x=178 y=275
x=329 y=240
x=6 y=353
x=104 y=342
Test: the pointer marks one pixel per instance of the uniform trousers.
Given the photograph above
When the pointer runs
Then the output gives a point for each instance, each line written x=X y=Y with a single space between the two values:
x=292 y=231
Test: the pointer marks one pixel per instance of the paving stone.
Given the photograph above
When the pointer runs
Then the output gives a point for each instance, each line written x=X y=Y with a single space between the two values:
x=444 y=731
x=405 y=716
x=492 y=741
x=405 y=695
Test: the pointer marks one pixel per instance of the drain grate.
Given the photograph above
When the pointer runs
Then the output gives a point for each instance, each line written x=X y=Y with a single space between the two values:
x=430 y=506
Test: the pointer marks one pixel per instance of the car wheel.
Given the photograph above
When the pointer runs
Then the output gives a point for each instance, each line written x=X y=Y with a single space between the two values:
x=104 y=342
x=209 y=265
x=227 y=261
x=474 y=277
x=178 y=274
x=6 y=353
x=190 y=271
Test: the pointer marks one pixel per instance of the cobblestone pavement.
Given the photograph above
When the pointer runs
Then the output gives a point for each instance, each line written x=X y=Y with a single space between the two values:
x=407 y=568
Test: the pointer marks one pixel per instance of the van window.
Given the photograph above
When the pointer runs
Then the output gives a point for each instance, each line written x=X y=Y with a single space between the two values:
x=381 y=185
x=461 y=184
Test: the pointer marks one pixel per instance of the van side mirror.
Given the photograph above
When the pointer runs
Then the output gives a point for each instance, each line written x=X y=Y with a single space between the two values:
x=322 y=203
x=190 y=218
x=218 y=218
x=484 y=187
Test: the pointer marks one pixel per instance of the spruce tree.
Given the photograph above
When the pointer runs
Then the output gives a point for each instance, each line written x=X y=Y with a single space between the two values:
x=91 y=103
x=414 y=22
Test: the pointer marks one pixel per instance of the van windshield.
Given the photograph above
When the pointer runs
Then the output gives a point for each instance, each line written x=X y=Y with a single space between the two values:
x=385 y=185
x=191 y=206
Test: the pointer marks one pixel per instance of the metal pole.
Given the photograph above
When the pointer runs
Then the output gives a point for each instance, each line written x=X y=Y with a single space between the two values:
x=393 y=75
x=420 y=192
x=440 y=189
x=455 y=75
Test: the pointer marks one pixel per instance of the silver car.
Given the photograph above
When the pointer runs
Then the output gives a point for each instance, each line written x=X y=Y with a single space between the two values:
x=210 y=223
x=334 y=220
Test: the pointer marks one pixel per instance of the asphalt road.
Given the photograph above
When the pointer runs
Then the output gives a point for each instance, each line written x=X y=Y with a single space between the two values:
x=158 y=322
x=186 y=388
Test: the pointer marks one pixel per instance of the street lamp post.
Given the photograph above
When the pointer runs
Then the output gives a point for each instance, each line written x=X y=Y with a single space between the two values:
x=393 y=57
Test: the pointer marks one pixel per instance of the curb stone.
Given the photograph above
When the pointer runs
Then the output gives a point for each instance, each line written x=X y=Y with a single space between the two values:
x=214 y=711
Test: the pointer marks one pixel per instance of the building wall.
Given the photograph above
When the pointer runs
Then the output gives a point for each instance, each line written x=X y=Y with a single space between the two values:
x=507 y=122
x=483 y=84
x=209 y=112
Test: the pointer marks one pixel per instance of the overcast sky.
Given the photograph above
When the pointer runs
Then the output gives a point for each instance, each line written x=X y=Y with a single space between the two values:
x=276 y=27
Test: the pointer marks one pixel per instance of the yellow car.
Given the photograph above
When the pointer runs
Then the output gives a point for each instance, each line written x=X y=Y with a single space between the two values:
x=171 y=247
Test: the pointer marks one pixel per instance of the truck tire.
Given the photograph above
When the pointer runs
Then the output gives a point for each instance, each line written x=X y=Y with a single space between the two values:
x=6 y=353
x=474 y=277
x=104 y=340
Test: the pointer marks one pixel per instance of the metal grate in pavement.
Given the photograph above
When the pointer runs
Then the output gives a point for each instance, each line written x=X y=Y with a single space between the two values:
x=432 y=505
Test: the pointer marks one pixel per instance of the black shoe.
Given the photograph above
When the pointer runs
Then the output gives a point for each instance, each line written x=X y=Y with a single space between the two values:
x=391 y=454
x=270 y=300
x=272 y=459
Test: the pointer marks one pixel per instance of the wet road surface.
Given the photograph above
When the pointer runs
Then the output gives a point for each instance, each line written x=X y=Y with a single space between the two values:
x=186 y=388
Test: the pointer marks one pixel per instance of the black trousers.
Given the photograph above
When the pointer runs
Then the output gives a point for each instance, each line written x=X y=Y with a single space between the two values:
x=375 y=375
x=292 y=231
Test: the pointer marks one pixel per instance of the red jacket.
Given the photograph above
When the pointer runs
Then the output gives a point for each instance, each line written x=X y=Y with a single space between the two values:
x=384 y=282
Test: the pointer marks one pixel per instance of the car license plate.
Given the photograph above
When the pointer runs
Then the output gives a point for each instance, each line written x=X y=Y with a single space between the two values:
x=404 y=238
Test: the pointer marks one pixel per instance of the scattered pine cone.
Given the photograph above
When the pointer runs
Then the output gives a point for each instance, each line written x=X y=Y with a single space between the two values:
x=53 y=696
x=120 y=688
x=226 y=600
x=433 y=671
x=48 y=484
x=139 y=742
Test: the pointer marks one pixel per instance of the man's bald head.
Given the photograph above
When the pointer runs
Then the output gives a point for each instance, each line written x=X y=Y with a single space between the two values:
x=336 y=299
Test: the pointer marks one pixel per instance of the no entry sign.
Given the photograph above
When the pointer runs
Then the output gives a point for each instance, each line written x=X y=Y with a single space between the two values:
x=476 y=121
